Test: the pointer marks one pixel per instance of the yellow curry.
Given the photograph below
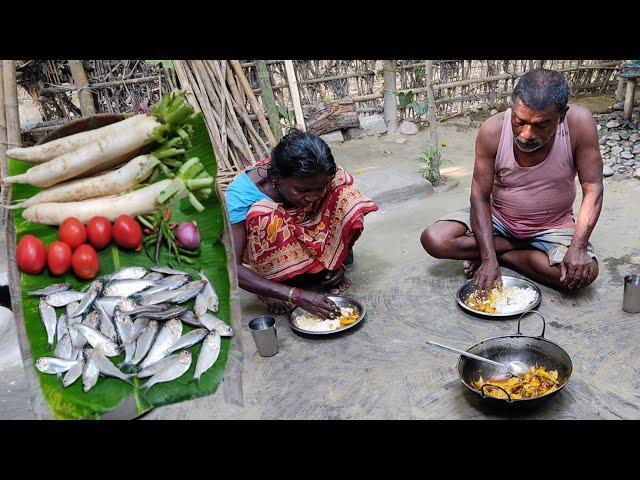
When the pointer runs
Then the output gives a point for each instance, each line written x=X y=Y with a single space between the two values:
x=535 y=383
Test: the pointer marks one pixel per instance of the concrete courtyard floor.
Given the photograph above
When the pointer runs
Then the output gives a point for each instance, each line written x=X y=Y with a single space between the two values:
x=383 y=369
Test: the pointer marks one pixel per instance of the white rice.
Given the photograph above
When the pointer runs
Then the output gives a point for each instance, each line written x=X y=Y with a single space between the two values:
x=313 y=323
x=515 y=299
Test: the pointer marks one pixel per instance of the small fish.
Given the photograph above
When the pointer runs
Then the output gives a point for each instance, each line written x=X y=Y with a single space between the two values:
x=73 y=373
x=127 y=273
x=169 y=335
x=49 y=319
x=126 y=288
x=124 y=325
x=211 y=297
x=97 y=340
x=169 y=283
x=144 y=342
x=190 y=318
x=208 y=354
x=125 y=305
x=153 y=276
x=53 y=365
x=200 y=305
x=90 y=372
x=56 y=287
x=107 y=328
x=174 y=369
x=156 y=367
x=108 y=304
x=189 y=339
x=64 y=349
x=188 y=291
x=93 y=319
x=167 y=314
x=143 y=309
x=139 y=326
x=88 y=299
x=156 y=298
x=71 y=307
x=61 y=327
x=65 y=297
x=108 y=369
x=211 y=322
x=168 y=271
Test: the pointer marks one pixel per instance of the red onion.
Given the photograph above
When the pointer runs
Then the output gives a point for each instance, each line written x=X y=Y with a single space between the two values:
x=188 y=236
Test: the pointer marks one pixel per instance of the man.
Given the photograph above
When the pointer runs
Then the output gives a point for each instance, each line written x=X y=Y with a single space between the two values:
x=523 y=190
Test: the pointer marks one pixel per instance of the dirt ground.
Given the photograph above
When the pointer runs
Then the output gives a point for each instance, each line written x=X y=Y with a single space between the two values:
x=383 y=369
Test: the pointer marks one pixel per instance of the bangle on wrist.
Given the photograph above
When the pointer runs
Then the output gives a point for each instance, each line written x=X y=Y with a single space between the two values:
x=291 y=292
x=296 y=296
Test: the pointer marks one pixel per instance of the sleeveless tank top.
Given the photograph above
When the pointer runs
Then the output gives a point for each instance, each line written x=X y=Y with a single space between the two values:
x=529 y=200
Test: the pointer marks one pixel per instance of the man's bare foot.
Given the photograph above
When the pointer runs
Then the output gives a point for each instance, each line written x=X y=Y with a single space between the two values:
x=470 y=267
x=275 y=305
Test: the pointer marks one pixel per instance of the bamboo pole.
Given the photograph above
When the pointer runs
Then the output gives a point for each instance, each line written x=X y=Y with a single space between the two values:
x=260 y=147
x=295 y=94
x=11 y=103
x=4 y=171
x=254 y=102
x=390 y=94
x=178 y=66
x=100 y=85
x=85 y=97
x=268 y=99
x=433 y=123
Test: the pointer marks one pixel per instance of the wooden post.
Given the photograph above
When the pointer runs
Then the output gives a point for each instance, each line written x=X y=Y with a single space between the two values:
x=295 y=94
x=79 y=75
x=433 y=122
x=628 y=98
x=620 y=90
x=268 y=99
x=390 y=95
x=257 y=109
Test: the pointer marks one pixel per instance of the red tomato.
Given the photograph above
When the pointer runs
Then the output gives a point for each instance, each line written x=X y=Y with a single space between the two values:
x=72 y=232
x=31 y=255
x=58 y=258
x=85 y=262
x=99 y=232
x=127 y=232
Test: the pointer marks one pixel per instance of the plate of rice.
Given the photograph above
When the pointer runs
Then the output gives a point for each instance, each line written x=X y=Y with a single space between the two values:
x=352 y=313
x=517 y=296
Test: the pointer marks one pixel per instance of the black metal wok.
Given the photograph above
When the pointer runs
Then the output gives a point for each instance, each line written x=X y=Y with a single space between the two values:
x=528 y=349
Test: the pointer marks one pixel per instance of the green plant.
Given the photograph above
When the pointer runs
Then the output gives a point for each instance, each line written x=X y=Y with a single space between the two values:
x=164 y=63
x=430 y=163
x=288 y=115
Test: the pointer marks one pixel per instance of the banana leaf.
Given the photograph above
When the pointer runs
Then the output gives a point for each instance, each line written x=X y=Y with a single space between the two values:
x=72 y=402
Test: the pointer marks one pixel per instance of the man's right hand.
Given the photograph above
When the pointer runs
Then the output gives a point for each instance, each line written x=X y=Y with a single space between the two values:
x=487 y=274
x=318 y=304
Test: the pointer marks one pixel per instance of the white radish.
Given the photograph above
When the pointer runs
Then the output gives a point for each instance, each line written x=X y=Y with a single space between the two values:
x=110 y=183
x=55 y=148
x=138 y=202
x=130 y=135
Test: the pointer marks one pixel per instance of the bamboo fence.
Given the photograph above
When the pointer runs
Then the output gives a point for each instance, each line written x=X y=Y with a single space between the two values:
x=244 y=102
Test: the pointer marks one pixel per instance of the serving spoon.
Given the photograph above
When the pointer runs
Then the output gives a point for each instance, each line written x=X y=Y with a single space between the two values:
x=515 y=368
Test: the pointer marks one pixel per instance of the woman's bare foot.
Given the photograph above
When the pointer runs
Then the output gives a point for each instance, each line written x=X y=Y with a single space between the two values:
x=470 y=267
x=275 y=305
x=344 y=284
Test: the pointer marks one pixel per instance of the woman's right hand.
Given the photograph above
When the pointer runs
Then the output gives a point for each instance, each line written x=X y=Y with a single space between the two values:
x=318 y=304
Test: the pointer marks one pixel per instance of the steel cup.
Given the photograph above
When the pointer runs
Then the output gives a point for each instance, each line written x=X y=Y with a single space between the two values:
x=631 y=300
x=263 y=331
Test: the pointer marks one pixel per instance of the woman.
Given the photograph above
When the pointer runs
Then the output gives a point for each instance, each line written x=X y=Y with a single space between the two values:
x=294 y=219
